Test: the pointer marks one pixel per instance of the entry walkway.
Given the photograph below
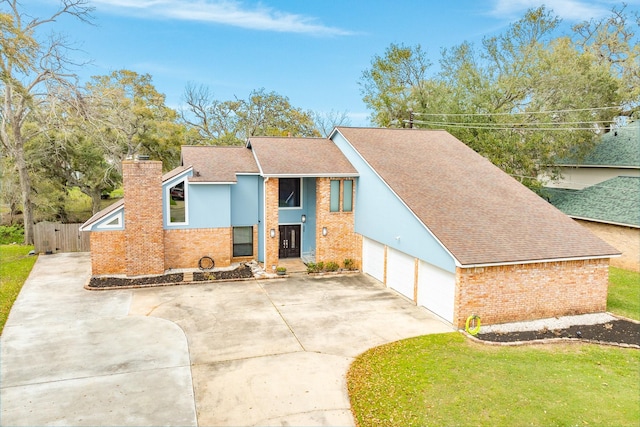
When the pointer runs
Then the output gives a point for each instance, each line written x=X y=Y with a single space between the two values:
x=268 y=352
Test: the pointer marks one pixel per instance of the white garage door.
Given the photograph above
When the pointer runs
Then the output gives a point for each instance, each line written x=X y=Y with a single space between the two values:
x=373 y=259
x=436 y=290
x=401 y=272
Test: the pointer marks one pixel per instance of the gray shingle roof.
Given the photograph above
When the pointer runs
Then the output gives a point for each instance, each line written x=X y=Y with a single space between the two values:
x=620 y=148
x=300 y=157
x=616 y=200
x=479 y=213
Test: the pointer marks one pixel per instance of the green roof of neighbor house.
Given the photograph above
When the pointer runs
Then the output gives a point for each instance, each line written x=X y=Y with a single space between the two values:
x=616 y=201
x=618 y=148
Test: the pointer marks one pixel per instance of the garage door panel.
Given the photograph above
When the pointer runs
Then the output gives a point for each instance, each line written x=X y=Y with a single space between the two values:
x=373 y=259
x=436 y=290
x=401 y=272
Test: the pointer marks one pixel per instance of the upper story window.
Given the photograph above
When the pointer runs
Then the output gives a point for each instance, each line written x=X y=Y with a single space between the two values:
x=289 y=192
x=177 y=204
x=347 y=195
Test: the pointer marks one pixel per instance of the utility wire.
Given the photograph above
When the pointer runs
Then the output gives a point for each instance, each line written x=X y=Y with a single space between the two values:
x=499 y=126
x=519 y=113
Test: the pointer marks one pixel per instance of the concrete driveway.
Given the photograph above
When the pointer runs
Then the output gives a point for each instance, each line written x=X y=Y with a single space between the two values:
x=272 y=352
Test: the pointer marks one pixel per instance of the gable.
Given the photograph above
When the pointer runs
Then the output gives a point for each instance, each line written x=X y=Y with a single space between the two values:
x=479 y=213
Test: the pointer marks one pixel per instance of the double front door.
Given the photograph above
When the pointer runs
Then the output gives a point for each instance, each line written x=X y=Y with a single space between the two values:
x=289 y=241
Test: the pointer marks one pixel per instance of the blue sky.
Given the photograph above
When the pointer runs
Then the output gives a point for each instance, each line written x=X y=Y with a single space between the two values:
x=311 y=51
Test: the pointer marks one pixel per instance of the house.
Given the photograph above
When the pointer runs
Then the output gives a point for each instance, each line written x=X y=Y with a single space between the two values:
x=416 y=209
x=602 y=192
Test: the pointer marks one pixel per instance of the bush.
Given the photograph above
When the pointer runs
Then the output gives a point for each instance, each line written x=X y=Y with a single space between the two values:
x=332 y=266
x=312 y=267
x=11 y=234
x=348 y=264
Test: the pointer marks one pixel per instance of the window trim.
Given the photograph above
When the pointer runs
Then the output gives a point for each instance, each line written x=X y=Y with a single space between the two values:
x=106 y=223
x=168 y=188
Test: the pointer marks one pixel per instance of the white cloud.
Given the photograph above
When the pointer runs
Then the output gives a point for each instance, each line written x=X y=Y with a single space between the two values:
x=570 y=10
x=226 y=12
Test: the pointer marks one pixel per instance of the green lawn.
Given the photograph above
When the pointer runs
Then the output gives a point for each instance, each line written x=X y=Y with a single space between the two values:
x=446 y=379
x=15 y=266
x=624 y=293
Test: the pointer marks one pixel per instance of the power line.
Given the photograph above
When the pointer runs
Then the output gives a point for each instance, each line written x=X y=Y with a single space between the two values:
x=499 y=126
x=619 y=107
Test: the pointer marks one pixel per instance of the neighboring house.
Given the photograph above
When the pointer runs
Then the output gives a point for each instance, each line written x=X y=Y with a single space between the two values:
x=602 y=192
x=616 y=154
x=416 y=209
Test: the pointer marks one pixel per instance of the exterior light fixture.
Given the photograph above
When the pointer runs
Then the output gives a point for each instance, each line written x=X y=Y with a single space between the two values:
x=272 y=232
x=324 y=231
x=303 y=219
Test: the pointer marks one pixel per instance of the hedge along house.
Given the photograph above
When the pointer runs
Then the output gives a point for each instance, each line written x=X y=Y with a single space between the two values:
x=416 y=209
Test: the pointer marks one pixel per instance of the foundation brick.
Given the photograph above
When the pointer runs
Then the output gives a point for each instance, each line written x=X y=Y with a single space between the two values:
x=107 y=252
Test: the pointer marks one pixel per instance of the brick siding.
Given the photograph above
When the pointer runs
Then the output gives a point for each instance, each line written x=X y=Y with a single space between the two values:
x=531 y=291
x=271 y=255
x=185 y=247
x=142 y=181
x=341 y=241
x=107 y=252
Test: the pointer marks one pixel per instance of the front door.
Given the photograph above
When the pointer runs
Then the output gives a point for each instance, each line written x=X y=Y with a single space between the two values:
x=289 y=241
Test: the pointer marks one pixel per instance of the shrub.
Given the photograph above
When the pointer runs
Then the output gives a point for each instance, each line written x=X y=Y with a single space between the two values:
x=332 y=266
x=11 y=234
x=348 y=264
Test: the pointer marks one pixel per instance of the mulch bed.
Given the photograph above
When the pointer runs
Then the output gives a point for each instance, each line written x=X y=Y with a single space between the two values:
x=241 y=272
x=617 y=331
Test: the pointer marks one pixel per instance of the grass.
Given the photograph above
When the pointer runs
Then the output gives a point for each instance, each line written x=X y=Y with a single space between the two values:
x=15 y=266
x=624 y=293
x=445 y=379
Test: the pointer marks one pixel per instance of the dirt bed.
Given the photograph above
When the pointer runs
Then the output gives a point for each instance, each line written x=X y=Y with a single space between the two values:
x=617 y=331
x=241 y=272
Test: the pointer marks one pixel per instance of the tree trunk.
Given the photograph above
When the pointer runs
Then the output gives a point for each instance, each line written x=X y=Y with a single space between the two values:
x=25 y=189
x=96 y=196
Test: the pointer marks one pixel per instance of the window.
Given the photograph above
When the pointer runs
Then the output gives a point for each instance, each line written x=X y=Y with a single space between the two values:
x=177 y=204
x=347 y=197
x=289 y=192
x=242 y=241
x=335 y=196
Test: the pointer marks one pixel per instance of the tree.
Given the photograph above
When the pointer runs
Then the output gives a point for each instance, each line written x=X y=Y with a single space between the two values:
x=325 y=122
x=232 y=122
x=126 y=115
x=392 y=84
x=525 y=99
x=29 y=68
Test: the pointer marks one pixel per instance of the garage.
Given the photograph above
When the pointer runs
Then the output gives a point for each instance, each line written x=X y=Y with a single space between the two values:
x=436 y=290
x=373 y=259
x=401 y=272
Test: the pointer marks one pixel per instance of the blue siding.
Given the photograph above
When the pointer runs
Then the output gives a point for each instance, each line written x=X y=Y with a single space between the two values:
x=209 y=206
x=245 y=199
x=309 y=204
x=381 y=216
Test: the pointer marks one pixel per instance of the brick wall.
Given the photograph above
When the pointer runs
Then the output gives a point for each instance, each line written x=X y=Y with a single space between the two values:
x=624 y=239
x=142 y=181
x=185 y=247
x=107 y=252
x=341 y=241
x=271 y=222
x=531 y=291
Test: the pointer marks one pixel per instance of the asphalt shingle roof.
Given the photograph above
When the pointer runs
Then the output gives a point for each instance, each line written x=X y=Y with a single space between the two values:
x=616 y=200
x=479 y=213
x=300 y=157
x=620 y=147
x=218 y=164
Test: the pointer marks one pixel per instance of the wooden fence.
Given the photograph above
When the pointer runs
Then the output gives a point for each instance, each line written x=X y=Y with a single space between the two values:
x=54 y=237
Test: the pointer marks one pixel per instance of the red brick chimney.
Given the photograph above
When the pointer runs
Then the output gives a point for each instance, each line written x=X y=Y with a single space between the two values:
x=144 y=234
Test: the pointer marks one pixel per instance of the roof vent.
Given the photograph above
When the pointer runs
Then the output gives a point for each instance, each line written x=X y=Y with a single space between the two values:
x=142 y=157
